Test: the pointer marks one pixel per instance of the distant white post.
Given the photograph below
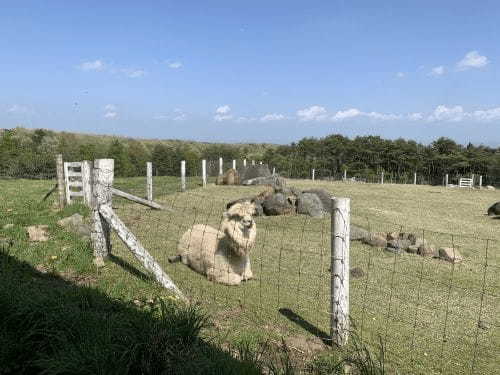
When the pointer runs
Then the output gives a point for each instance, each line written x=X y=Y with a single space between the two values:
x=183 y=175
x=415 y=178
x=204 y=172
x=480 y=182
x=382 y=178
x=339 y=282
x=221 y=167
x=234 y=164
x=473 y=178
x=245 y=163
x=87 y=182
x=274 y=171
x=60 y=180
x=313 y=174
x=260 y=163
x=253 y=162
x=446 y=180
x=149 y=180
x=345 y=175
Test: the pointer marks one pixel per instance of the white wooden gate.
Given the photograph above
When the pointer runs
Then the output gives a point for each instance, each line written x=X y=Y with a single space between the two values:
x=466 y=183
x=77 y=181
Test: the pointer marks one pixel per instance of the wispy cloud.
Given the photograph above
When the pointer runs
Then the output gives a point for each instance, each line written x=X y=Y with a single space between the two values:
x=110 y=111
x=437 y=71
x=174 y=64
x=472 y=60
x=272 y=117
x=457 y=114
x=223 y=113
x=400 y=74
x=96 y=65
x=133 y=73
x=18 y=109
x=313 y=113
x=354 y=112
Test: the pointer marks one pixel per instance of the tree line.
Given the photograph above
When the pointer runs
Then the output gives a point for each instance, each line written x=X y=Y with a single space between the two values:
x=26 y=153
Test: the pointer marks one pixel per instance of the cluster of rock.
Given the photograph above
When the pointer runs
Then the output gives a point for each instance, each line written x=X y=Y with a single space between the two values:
x=250 y=175
x=278 y=199
x=399 y=242
x=494 y=210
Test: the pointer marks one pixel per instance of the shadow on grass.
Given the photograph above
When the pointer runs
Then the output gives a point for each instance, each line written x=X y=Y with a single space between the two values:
x=297 y=319
x=129 y=268
x=51 y=326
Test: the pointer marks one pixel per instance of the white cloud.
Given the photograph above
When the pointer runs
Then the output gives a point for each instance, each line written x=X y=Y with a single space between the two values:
x=110 y=107
x=354 y=112
x=400 y=74
x=92 y=65
x=272 y=117
x=487 y=115
x=110 y=115
x=223 y=113
x=313 y=113
x=223 y=109
x=175 y=65
x=415 y=116
x=382 y=116
x=16 y=108
x=133 y=73
x=437 y=71
x=444 y=113
x=179 y=115
x=472 y=60
x=349 y=113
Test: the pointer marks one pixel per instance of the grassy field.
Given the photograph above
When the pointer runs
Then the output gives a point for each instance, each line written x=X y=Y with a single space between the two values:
x=425 y=310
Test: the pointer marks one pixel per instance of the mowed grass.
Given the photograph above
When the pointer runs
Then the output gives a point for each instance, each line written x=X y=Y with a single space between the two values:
x=427 y=311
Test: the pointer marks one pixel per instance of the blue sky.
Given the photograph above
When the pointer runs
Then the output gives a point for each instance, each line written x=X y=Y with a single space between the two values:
x=267 y=71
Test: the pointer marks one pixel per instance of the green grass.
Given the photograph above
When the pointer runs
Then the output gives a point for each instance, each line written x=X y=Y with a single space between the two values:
x=425 y=310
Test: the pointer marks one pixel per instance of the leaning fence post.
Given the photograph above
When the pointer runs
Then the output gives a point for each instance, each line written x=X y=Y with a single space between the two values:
x=149 y=180
x=415 y=178
x=87 y=182
x=103 y=174
x=339 y=297
x=183 y=175
x=221 y=167
x=204 y=172
x=60 y=179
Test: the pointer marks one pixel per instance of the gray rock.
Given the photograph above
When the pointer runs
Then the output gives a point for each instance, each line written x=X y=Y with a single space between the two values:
x=277 y=204
x=274 y=181
x=259 y=211
x=450 y=254
x=412 y=249
x=75 y=224
x=253 y=171
x=394 y=250
x=494 y=210
x=310 y=204
x=376 y=240
x=324 y=196
x=38 y=233
x=358 y=233
x=426 y=250
x=357 y=272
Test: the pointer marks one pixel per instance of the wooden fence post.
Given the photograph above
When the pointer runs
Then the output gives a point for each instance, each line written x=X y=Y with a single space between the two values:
x=245 y=163
x=87 y=182
x=221 y=167
x=103 y=173
x=415 y=178
x=60 y=180
x=480 y=182
x=149 y=180
x=446 y=180
x=204 y=172
x=183 y=175
x=339 y=298
x=313 y=174
x=274 y=171
x=382 y=178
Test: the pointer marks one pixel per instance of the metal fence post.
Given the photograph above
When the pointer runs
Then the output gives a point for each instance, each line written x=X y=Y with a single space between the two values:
x=339 y=291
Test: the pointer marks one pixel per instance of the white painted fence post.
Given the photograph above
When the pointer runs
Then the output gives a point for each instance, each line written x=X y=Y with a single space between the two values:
x=102 y=175
x=274 y=171
x=234 y=164
x=204 y=172
x=480 y=182
x=260 y=163
x=87 y=182
x=339 y=298
x=60 y=180
x=221 y=167
x=313 y=174
x=183 y=175
x=245 y=163
x=446 y=180
x=382 y=178
x=415 y=178
x=253 y=162
x=149 y=180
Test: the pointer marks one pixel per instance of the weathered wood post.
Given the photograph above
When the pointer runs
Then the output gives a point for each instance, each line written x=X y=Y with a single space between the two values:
x=204 y=172
x=60 y=179
x=415 y=178
x=446 y=180
x=245 y=163
x=345 y=175
x=221 y=167
x=103 y=173
x=382 y=177
x=313 y=174
x=339 y=297
x=183 y=175
x=149 y=180
x=234 y=164
x=87 y=182
x=480 y=182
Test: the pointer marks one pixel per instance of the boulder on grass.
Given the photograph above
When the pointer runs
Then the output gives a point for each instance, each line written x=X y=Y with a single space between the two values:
x=253 y=171
x=375 y=240
x=324 y=196
x=450 y=254
x=75 y=224
x=426 y=250
x=275 y=181
x=277 y=204
x=38 y=233
x=494 y=210
x=358 y=233
x=310 y=204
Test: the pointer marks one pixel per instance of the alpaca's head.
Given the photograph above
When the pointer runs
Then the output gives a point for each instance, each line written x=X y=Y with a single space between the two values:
x=240 y=227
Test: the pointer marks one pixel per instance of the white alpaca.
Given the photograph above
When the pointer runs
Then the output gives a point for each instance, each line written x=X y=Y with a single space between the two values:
x=222 y=255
